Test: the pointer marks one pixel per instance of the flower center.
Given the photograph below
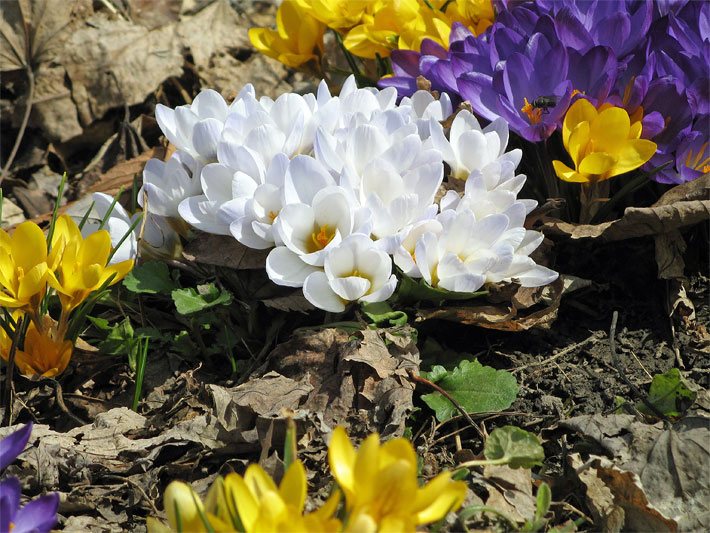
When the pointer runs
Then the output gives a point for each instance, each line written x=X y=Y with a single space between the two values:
x=534 y=114
x=321 y=237
x=697 y=161
x=272 y=215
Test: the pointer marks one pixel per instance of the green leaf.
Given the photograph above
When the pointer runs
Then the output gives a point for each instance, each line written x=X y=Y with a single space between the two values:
x=188 y=301
x=669 y=394
x=152 y=277
x=475 y=387
x=120 y=336
x=513 y=446
x=543 y=501
x=383 y=315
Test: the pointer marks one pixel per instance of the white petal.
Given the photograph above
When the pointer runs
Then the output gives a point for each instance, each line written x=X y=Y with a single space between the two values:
x=242 y=230
x=285 y=268
x=205 y=138
x=383 y=293
x=317 y=290
x=202 y=214
x=210 y=104
x=217 y=182
x=350 y=288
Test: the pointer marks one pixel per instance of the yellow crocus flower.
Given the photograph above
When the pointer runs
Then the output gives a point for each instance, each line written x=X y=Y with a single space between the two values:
x=255 y=502
x=602 y=143
x=24 y=271
x=41 y=355
x=476 y=15
x=339 y=14
x=84 y=263
x=381 y=488
x=185 y=512
x=298 y=37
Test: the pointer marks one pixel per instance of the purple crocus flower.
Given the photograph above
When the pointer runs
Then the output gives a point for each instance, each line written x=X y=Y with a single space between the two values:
x=12 y=445
x=692 y=156
x=37 y=516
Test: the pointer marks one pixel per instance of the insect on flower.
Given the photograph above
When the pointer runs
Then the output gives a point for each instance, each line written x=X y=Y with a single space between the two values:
x=545 y=103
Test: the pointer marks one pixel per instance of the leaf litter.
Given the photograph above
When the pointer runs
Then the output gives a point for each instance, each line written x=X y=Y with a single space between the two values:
x=196 y=421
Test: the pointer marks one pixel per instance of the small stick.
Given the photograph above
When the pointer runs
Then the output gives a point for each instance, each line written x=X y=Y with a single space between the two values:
x=559 y=354
x=457 y=405
x=60 y=402
x=9 y=382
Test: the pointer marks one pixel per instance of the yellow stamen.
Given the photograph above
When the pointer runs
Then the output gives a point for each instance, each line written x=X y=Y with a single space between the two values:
x=534 y=114
x=272 y=215
x=321 y=238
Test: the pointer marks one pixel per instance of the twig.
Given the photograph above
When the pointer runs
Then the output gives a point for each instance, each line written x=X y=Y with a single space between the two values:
x=9 y=382
x=149 y=501
x=622 y=374
x=60 y=402
x=561 y=353
x=23 y=126
x=457 y=405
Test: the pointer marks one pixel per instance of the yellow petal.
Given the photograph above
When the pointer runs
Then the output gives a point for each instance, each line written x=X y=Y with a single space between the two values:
x=361 y=523
x=366 y=470
x=632 y=155
x=610 y=129
x=597 y=163
x=240 y=496
x=325 y=511
x=341 y=457
x=29 y=246
x=119 y=269
x=439 y=497
x=5 y=241
x=567 y=174
x=293 y=486
x=398 y=450
x=95 y=249
x=183 y=507
x=156 y=526
x=33 y=283
x=578 y=142
x=580 y=111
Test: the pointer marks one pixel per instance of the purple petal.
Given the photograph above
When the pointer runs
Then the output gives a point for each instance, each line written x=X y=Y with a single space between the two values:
x=9 y=501
x=405 y=62
x=39 y=515
x=12 y=445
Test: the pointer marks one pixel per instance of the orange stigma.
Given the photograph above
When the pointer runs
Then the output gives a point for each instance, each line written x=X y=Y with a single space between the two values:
x=534 y=114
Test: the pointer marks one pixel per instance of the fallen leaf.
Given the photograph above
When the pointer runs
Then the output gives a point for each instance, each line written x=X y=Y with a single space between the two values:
x=652 y=470
x=510 y=492
x=502 y=317
x=224 y=251
x=608 y=516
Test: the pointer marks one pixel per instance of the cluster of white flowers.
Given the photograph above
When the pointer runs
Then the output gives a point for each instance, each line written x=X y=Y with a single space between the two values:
x=339 y=186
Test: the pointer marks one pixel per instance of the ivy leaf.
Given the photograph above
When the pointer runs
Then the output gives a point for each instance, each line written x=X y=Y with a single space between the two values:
x=475 y=387
x=190 y=300
x=669 y=394
x=152 y=277
x=514 y=446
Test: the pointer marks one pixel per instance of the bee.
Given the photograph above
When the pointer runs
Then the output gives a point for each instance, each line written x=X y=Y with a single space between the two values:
x=545 y=103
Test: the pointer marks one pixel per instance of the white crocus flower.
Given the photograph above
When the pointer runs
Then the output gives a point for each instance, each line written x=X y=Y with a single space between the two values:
x=196 y=128
x=523 y=269
x=404 y=255
x=489 y=190
x=159 y=239
x=460 y=257
x=316 y=216
x=469 y=147
x=353 y=271
x=423 y=107
x=166 y=184
x=383 y=161
x=258 y=201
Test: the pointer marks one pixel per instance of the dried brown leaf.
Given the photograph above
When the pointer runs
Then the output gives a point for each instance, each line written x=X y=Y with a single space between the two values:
x=636 y=222
x=653 y=470
x=608 y=516
x=103 y=59
x=504 y=317
x=224 y=251
x=510 y=491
